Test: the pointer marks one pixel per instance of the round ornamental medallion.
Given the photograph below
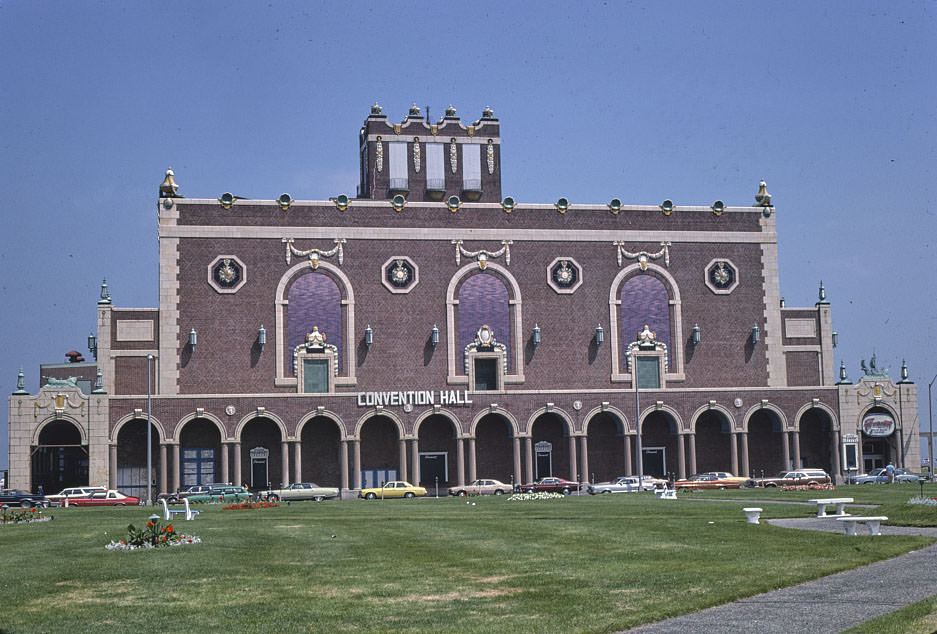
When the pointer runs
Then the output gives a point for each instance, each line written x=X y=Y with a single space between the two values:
x=399 y=274
x=721 y=276
x=226 y=274
x=564 y=275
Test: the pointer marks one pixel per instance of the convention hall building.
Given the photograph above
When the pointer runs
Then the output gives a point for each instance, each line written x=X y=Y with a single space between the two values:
x=434 y=329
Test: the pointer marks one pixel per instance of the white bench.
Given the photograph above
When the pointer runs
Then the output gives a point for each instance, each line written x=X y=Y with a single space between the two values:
x=849 y=523
x=752 y=514
x=839 y=503
x=168 y=512
x=665 y=494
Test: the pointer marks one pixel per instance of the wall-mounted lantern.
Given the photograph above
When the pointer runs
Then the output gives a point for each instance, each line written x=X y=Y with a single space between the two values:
x=536 y=335
x=261 y=337
x=434 y=336
x=368 y=336
x=599 y=335
x=756 y=335
x=696 y=336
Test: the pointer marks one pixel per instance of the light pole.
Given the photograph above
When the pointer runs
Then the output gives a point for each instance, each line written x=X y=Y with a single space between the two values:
x=149 y=435
x=637 y=418
x=930 y=435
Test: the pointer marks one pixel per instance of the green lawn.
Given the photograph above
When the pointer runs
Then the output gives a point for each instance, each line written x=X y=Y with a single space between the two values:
x=579 y=564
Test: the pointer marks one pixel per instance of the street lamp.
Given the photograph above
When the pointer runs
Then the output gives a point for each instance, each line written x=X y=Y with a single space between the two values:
x=149 y=435
x=930 y=436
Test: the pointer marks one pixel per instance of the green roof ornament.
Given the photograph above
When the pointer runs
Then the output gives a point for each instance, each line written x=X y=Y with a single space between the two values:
x=99 y=383
x=20 y=383
x=843 y=379
x=105 y=294
x=822 y=292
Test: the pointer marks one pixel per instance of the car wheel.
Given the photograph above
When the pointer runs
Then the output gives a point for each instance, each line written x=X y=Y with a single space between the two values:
x=461 y=494
x=408 y=494
x=528 y=490
x=499 y=492
x=26 y=504
x=722 y=488
x=770 y=485
x=606 y=491
x=566 y=491
x=274 y=498
x=318 y=498
x=120 y=504
x=370 y=496
x=811 y=484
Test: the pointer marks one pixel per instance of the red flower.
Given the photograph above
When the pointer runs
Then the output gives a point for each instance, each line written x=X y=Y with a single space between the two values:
x=169 y=528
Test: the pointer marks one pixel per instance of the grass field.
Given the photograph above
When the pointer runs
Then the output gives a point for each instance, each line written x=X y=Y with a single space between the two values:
x=578 y=564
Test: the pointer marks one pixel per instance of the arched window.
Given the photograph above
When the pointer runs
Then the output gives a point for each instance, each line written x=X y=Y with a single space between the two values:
x=644 y=302
x=483 y=300
x=314 y=302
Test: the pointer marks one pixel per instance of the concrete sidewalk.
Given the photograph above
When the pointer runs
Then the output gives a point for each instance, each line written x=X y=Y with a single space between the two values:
x=830 y=604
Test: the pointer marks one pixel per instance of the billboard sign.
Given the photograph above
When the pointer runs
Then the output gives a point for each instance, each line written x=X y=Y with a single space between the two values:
x=878 y=425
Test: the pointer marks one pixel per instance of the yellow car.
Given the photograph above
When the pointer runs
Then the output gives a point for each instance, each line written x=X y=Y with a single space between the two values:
x=393 y=489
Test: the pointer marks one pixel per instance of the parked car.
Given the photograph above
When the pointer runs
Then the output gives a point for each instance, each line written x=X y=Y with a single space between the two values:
x=711 y=480
x=16 y=497
x=193 y=489
x=793 y=478
x=108 y=497
x=481 y=487
x=393 y=489
x=621 y=484
x=56 y=499
x=550 y=484
x=300 y=491
x=881 y=476
x=229 y=494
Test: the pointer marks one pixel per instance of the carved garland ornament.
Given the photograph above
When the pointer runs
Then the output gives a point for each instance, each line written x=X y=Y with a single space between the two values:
x=314 y=254
x=417 y=159
x=647 y=339
x=453 y=156
x=491 y=156
x=315 y=342
x=482 y=255
x=379 y=155
x=485 y=341
x=643 y=256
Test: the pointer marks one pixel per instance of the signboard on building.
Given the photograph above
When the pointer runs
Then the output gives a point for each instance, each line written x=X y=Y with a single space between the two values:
x=878 y=425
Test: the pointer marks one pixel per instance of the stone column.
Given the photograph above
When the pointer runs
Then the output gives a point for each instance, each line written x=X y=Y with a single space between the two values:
x=517 y=460
x=176 y=468
x=786 y=449
x=796 y=438
x=112 y=467
x=344 y=464
x=402 y=473
x=573 y=463
x=681 y=456
x=584 y=457
x=163 y=469
x=472 y=474
x=356 y=461
x=529 y=451
x=629 y=469
x=238 y=476
x=743 y=437
x=460 y=458
x=692 y=439
x=899 y=450
x=415 y=460
x=297 y=461
x=734 y=453
x=284 y=464
x=837 y=474
x=225 y=460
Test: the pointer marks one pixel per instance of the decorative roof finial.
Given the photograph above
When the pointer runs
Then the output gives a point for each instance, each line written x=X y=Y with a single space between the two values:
x=762 y=198
x=376 y=109
x=450 y=112
x=105 y=294
x=414 y=111
x=168 y=188
x=488 y=113
x=822 y=293
x=904 y=372
x=842 y=373
x=20 y=383
x=99 y=383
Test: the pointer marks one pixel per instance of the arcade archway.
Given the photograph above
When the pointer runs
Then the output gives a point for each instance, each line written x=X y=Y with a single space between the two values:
x=59 y=460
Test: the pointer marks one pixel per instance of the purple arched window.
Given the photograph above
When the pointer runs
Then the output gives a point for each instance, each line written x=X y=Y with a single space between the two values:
x=483 y=299
x=314 y=300
x=644 y=301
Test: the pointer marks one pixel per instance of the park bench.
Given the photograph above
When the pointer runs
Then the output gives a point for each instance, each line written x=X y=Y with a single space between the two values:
x=665 y=494
x=839 y=503
x=849 y=523
x=187 y=511
x=752 y=514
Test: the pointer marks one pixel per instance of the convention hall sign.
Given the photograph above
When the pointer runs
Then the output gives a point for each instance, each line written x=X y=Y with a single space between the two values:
x=414 y=397
x=878 y=425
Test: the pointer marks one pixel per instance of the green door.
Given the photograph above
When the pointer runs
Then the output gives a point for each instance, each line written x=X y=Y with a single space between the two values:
x=315 y=376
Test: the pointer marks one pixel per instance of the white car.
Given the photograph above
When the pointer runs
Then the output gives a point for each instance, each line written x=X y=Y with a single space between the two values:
x=300 y=491
x=57 y=499
x=624 y=484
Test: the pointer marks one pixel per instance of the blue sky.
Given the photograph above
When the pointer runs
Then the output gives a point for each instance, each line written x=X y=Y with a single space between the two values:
x=834 y=104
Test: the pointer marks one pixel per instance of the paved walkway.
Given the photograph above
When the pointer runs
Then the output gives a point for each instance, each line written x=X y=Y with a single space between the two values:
x=846 y=598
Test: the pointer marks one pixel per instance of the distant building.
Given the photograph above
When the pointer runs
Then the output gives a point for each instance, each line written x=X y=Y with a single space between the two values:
x=432 y=329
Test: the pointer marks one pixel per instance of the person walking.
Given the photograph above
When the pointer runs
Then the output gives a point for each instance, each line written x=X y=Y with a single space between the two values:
x=890 y=473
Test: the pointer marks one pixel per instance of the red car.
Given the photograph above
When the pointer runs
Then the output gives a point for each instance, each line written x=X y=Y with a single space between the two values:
x=105 y=498
x=551 y=485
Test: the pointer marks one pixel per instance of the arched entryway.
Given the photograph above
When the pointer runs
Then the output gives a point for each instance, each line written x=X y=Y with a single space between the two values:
x=713 y=442
x=550 y=437
x=605 y=439
x=768 y=445
x=59 y=460
x=380 y=451
x=659 y=440
x=200 y=452
x=321 y=458
x=494 y=454
x=438 y=451
x=131 y=458
x=261 y=454
x=879 y=439
x=816 y=440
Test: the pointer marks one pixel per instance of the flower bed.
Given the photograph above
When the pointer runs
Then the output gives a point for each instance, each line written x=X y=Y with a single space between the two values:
x=243 y=506
x=543 y=495
x=152 y=536
x=923 y=500
x=808 y=487
x=21 y=515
